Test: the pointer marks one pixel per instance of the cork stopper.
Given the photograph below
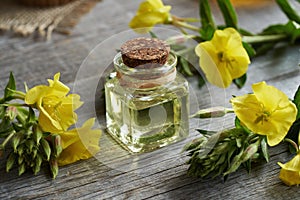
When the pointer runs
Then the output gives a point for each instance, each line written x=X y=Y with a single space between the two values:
x=145 y=53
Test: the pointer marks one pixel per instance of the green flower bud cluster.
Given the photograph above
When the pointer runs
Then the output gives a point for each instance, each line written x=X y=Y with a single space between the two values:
x=20 y=134
x=224 y=152
x=30 y=146
x=27 y=151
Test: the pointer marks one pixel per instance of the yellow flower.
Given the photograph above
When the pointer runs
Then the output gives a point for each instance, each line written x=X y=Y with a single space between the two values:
x=81 y=143
x=267 y=111
x=150 y=13
x=223 y=58
x=290 y=172
x=55 y=106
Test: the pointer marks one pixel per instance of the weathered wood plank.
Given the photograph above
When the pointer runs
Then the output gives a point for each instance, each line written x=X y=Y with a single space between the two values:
x=158 y=175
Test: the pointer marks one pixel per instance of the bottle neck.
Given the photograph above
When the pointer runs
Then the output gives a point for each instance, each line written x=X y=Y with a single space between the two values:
x=143 y=77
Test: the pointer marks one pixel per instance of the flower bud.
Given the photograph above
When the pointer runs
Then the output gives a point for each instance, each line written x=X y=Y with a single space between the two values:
x=54 y=167
x=34 y=152
x=193 y=144
x=212 y=112
x=37 y=164
x=20 y=160
x=29 y=144
x=16 y=141
x=10 y=161
x=221 y=148
x=222 y=159
x=37 y=133
x=56 y=142
x=250 y=151
x=22 y=168
x=11 y=112
x=46 y=148
x=20 y=149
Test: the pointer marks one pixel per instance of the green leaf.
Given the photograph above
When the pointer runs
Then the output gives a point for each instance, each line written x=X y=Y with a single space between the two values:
x=296 y=101
x=46 y=148
x=207 y=21
x=245 y=32
x=290 y=29
x=264 y=149
x=206 y=132
x=250 y=50
x=295 y=128
x=193 y=144
x=264 y=48
x=2 y=111
x=10 y=161
x=152 y=34
x=11 y=85
x=5 y=127
x=31 y=118
x=236 y=162
x=229 y=13
x=201 y=81
x=207 y=33
x=240 y=82
x=294 y=131
x=238 y=125
x=185 y=66
x=288 y=10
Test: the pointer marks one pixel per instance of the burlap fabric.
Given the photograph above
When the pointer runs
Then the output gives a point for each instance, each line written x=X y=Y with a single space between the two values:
x=25 y=20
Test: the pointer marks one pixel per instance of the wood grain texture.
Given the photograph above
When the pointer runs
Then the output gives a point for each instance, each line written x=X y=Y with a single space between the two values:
x=162 y=174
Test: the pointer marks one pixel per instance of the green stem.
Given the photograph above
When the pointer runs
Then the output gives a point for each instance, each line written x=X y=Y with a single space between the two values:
x=299 y=136
x=180 y=39
x=188 y=19
x=20 y=95
x=15 y=104
x=184 y=51
x=182 y=30
x=263 y=38
x=292 y=143
x=2 y=146
x=185 y=25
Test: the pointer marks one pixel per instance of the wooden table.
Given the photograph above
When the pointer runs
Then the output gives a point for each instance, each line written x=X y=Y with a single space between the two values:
x=162 y=174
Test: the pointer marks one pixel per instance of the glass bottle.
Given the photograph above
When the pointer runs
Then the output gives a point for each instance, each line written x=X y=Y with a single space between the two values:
x=147 y=108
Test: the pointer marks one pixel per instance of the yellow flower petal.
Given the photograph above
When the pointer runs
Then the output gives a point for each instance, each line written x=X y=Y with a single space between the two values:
x=292 y=165
x=69 y=137
x=260 y=114
x=58 y=86
x=80 y=143
x=150 y=13
x=289 y=177
x=246 y=108
x=47 y=123
x=55 y=106
x=57 y=114
x=208 y=55
x=290 y=172
x=156 y=3
x=270 y=96
x=33 y=95
x=223 y=58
